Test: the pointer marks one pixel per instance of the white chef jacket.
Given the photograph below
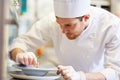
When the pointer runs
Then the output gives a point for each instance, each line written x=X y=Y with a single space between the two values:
x=97 y=49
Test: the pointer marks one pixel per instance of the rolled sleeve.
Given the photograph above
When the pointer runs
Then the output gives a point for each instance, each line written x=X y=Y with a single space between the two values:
x=110 y=74
x=38 y=35
x=112 y=56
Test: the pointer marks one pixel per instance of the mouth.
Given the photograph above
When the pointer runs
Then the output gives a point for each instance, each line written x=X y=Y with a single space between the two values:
x=68 y=34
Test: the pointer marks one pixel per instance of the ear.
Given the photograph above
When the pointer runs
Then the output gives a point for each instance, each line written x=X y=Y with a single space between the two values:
x=86 y=17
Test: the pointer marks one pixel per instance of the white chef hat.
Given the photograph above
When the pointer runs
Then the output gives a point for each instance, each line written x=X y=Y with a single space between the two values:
x=71 y=8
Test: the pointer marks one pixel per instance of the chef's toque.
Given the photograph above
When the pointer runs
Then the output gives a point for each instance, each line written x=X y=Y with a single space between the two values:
x=71 y=8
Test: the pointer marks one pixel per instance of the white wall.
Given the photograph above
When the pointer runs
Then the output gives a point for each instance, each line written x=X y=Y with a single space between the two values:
x=115 y=6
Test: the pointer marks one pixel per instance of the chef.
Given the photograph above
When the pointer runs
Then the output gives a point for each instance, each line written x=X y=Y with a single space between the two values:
x=86 y=40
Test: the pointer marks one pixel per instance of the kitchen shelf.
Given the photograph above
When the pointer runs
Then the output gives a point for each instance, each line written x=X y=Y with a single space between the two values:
x=100 y=3
x=105 y=4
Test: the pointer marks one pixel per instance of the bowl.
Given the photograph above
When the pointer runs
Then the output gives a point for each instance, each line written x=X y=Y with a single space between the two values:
x=36 y=71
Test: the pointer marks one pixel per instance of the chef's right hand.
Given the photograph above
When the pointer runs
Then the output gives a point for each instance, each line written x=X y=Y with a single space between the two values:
x=27 y=58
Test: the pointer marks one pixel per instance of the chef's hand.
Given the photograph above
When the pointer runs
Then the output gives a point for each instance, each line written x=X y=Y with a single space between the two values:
x=27 y=58
x=69 y=73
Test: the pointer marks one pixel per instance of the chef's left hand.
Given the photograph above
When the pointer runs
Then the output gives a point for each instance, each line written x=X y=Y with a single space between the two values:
x=69 y=73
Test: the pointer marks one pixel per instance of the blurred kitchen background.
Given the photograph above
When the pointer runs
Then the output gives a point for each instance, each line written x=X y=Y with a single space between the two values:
x=17 y=16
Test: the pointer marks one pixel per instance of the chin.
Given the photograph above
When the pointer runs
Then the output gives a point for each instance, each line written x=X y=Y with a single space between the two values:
x=71 y=38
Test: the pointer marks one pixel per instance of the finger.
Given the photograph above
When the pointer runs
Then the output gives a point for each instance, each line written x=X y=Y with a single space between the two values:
x=67 y=75
x=20 y=59
x=34 y=62
x=64 y=71
x=34 y=58
x=25 y=58
x=30 y=59
x=58 y=72
x=60 y=67
x=68 y=79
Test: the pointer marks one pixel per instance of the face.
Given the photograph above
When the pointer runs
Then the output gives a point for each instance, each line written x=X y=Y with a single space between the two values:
x=71 y=27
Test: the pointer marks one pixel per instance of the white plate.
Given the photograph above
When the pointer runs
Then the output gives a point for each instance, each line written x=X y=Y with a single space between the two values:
x=21 y=75
x=36 y=71
x=41 y=68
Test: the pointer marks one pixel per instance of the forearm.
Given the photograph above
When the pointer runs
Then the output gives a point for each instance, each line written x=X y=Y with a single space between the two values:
x=94 y=76
x=14 y=52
